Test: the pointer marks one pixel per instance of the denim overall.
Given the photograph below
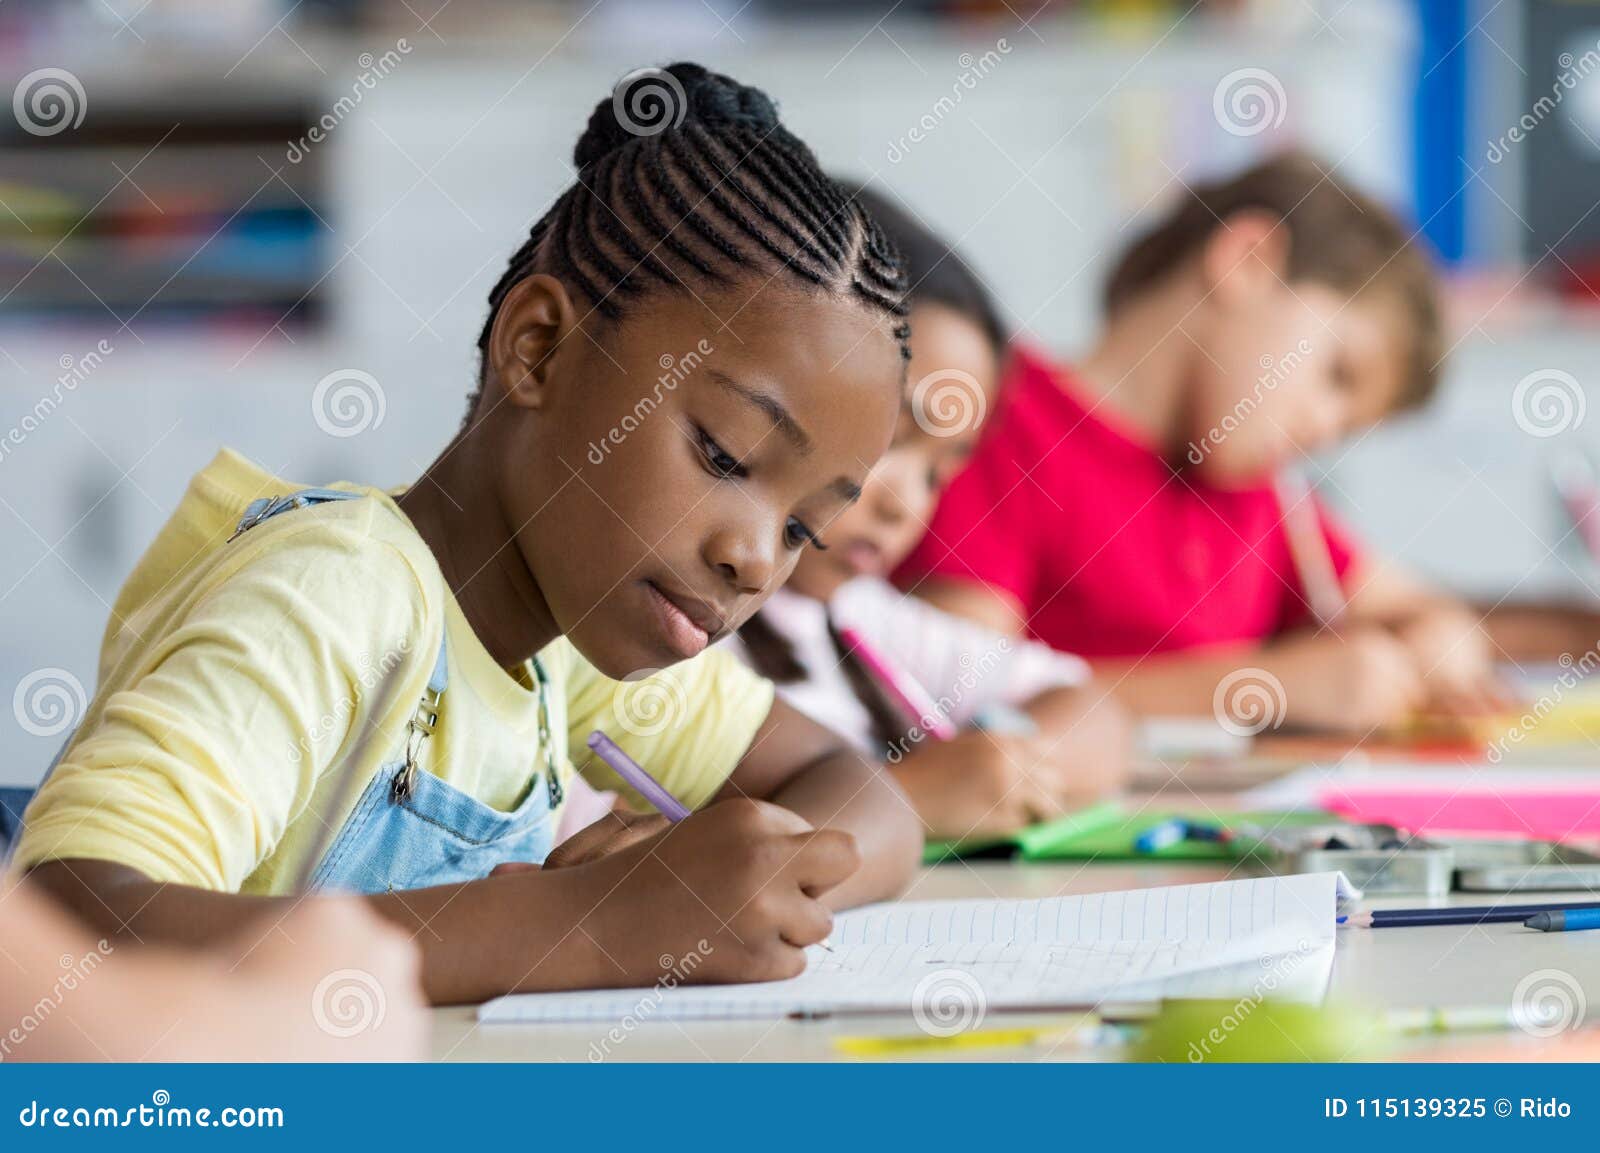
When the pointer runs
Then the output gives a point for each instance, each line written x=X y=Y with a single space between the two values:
x=409 y=829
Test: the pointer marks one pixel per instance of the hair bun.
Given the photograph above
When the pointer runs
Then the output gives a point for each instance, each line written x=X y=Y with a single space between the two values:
x=649 y=101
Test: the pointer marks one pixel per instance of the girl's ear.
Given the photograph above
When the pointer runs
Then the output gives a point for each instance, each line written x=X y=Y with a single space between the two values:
x=1246 y=253
x=534 y=320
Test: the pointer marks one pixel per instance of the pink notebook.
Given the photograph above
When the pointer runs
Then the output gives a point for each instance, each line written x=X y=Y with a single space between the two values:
x=1556 y=813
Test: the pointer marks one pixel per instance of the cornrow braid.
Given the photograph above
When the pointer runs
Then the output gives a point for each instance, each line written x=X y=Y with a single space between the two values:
x=687 y=177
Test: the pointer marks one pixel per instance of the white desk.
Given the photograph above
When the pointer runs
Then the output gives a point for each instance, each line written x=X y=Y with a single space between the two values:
x=1390 y=968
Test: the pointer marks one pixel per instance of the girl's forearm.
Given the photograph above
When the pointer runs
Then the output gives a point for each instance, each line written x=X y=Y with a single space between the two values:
x=516 y=933
x=842 y=791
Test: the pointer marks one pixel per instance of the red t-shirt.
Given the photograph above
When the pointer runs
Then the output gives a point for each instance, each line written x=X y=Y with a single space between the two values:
x=1110 y=551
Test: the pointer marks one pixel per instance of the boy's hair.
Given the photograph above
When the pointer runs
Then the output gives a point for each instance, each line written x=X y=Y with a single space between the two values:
x=686 y=176
x=1337 y=237
x=936 y=272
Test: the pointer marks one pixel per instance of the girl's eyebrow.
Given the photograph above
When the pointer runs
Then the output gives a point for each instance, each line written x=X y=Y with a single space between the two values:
x=780 y=416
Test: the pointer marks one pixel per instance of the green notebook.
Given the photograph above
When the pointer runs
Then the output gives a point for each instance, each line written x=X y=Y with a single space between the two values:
x=1107 y=832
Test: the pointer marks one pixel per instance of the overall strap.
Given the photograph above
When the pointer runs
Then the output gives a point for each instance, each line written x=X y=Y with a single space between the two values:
x=267 y=507
x=425 y=715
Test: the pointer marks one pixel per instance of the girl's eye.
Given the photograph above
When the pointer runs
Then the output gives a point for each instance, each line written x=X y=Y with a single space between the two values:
x=718 y=460
x=797 y=535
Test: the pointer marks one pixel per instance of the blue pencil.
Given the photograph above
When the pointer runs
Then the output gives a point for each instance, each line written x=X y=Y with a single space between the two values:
x=1564 y=920
x=1463 y=915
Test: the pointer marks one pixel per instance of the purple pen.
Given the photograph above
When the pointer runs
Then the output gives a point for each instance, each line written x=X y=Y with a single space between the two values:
x=631 y=771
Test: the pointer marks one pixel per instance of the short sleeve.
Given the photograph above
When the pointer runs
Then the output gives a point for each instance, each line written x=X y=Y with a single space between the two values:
x=192 y=771
x=689 y=725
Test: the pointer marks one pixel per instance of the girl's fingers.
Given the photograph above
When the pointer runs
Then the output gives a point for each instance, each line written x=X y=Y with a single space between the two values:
x=586 y=844
x=809 y=923
x=823 y=858
x=510 y=867
x=1039 y=802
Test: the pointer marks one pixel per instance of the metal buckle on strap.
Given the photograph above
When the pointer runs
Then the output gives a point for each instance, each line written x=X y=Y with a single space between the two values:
x=258 y=511
x=418 y=729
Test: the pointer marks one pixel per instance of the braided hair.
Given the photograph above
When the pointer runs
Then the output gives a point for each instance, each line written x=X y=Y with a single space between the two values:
x=685 y=175
x=937 y=272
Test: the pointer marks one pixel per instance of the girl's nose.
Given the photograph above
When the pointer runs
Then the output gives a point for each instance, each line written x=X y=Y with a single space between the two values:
x=740 y=559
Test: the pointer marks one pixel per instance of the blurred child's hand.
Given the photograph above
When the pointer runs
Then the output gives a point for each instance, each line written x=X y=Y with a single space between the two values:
x=1357 y=681
x=987 y=784
x=1456 y=661
x=734 y=886
x=332 y=981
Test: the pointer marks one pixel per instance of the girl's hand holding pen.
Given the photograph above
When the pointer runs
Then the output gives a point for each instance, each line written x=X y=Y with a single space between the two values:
x=736 y=884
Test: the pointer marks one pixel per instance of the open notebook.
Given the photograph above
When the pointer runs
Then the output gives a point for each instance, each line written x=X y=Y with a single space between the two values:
x=1270 y=936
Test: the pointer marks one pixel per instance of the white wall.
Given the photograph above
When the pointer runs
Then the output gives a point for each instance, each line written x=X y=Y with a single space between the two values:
x=445 y=164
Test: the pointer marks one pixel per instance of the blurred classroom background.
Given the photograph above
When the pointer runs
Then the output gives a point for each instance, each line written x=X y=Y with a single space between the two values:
x=272 y=224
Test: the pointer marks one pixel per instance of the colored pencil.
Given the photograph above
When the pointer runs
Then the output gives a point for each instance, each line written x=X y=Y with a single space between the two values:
x=1461 y=915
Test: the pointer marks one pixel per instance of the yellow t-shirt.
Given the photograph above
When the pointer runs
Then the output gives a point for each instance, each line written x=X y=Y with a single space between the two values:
x=234 y=676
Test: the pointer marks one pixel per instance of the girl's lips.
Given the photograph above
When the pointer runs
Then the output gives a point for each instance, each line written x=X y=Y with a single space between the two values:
x=863 y=557
x=686 y=638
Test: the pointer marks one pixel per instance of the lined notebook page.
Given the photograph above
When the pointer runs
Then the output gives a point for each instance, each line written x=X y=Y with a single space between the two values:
x=1260 y=936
